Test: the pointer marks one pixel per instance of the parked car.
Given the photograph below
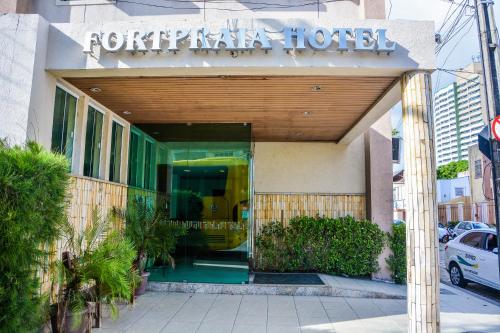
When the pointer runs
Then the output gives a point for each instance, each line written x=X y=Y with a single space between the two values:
x=473 y=256
x=444 y=234
x=464 y=226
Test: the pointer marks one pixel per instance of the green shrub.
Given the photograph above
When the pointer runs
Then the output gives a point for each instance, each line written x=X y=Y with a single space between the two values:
x=397 y=260
x=33 y=184
x=343 y=246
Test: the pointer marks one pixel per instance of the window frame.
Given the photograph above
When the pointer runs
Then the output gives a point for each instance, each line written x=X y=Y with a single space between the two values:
x=103 y=113
x=77 y=97
x=140 y=159
x=151 y=164
x=118 y=122
x=476 y=166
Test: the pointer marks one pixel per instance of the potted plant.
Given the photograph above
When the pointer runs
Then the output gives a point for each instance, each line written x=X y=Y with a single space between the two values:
x=96 y=268
x=153 y=235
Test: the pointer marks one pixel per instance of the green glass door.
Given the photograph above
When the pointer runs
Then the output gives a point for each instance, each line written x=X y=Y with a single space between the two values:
x=199 y=177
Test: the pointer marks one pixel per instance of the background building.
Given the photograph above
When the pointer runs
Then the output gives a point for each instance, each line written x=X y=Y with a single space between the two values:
x=458 y=115
x=455 y=189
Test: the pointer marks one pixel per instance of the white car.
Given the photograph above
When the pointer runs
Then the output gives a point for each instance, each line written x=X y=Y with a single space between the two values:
x=473 y=256
x=464 y=226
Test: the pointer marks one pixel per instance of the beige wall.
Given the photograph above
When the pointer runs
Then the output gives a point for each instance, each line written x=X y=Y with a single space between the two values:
x=480 y=188
x=15 y=6
x=379 y=199
x=309 y=167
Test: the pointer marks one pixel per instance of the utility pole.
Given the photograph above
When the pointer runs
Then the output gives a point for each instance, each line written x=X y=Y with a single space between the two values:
x=488 y=44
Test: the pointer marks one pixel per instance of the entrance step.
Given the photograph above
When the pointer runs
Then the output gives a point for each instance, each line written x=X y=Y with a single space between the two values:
x=367 y=289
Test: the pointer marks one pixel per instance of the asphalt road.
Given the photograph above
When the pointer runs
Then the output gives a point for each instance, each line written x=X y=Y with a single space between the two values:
x=476 y=289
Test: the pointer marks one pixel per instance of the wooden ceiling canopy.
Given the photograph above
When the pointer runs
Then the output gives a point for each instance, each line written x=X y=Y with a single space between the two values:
x=279 y=108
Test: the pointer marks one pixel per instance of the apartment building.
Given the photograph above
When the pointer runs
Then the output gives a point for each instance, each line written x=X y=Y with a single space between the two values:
x=458 y=115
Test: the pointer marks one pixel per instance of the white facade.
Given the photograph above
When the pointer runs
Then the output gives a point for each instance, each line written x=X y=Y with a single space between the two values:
x=458 y=114
x=449 y=189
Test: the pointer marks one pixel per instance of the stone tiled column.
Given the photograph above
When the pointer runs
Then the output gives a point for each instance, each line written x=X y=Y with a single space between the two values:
x=421 y=223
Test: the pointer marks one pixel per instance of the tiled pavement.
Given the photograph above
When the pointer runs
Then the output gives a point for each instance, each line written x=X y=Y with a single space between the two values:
x=180 y=313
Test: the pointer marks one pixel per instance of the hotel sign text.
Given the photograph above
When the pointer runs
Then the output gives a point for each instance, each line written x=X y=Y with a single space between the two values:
x=241 y=40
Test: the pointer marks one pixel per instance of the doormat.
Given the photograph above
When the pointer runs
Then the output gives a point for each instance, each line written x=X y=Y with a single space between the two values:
x=287 y=278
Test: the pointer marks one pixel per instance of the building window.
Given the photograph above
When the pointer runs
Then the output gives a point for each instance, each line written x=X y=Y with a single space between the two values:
x=63 y=126
x=116 y=152
x=478 y=169
x=135 y=160
x=93 y=143
x=459 y=191
x=148 y=166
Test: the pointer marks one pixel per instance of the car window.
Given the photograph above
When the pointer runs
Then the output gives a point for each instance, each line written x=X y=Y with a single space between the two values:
x=479 y=226
x=474 y=239
x=491 y=242
x=460 y=225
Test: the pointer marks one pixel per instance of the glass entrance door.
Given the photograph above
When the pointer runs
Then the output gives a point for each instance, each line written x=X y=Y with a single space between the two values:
x=207 y=189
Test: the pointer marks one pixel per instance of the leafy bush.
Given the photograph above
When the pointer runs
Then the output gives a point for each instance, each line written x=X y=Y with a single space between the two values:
x=397 y=260
x=33 y=185
x=451 y=170
x=343 y=246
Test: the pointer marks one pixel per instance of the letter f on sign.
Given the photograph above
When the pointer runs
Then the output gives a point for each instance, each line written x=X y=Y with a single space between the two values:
x=91 y=39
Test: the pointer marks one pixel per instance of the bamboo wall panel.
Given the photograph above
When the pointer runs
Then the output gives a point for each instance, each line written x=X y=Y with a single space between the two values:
x=282 y=207
x=84 y=196
x=87 y=194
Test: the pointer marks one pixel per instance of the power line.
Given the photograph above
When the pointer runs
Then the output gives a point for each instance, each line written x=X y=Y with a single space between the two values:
x=262 y=5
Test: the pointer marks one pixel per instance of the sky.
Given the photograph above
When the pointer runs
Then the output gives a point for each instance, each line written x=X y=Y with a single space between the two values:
x=456 y=54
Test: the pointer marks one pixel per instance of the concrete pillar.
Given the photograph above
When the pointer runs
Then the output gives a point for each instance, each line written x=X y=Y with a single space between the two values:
x=378 y=166
x=421 y=231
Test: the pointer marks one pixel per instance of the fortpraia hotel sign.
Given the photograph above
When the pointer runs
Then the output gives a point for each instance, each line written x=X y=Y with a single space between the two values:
x=240 y=40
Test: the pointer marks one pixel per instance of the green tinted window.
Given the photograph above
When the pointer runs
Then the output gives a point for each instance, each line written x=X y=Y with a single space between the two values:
x=148 y=166
x=135 y=159
x=63 y=126
x=93 y=139
x=116 y=152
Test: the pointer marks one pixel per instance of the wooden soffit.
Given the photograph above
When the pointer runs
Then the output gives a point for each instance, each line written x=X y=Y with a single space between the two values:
x=279 y=108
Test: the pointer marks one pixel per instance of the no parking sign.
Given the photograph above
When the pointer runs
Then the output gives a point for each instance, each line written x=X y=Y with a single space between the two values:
x=495 y=128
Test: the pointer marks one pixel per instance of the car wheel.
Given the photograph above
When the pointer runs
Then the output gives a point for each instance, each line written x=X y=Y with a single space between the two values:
x=446 y=239
x=456 y=276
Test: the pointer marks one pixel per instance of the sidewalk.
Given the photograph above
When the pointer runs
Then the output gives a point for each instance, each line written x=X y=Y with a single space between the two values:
x=216 y=313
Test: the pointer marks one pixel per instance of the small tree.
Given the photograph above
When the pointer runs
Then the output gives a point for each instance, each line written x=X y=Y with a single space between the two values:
x=451 y=170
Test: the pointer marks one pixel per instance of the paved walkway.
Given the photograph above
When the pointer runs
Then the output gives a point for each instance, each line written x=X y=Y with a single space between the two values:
x=182 y=313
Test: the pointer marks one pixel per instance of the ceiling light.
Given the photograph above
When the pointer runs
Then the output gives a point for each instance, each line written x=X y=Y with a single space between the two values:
x=307 y=113
x=95 y=90
x=127 y=113
x=316 y=88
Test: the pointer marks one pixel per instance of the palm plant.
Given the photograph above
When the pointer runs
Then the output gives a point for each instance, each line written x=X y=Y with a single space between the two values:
x=153 y=235
x=95 y=267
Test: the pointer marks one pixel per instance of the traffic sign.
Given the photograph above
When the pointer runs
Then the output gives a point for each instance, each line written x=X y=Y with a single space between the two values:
x=495 y=128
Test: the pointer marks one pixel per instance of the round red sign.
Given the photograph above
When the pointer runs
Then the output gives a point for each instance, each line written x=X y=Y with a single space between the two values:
x=495 y=128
